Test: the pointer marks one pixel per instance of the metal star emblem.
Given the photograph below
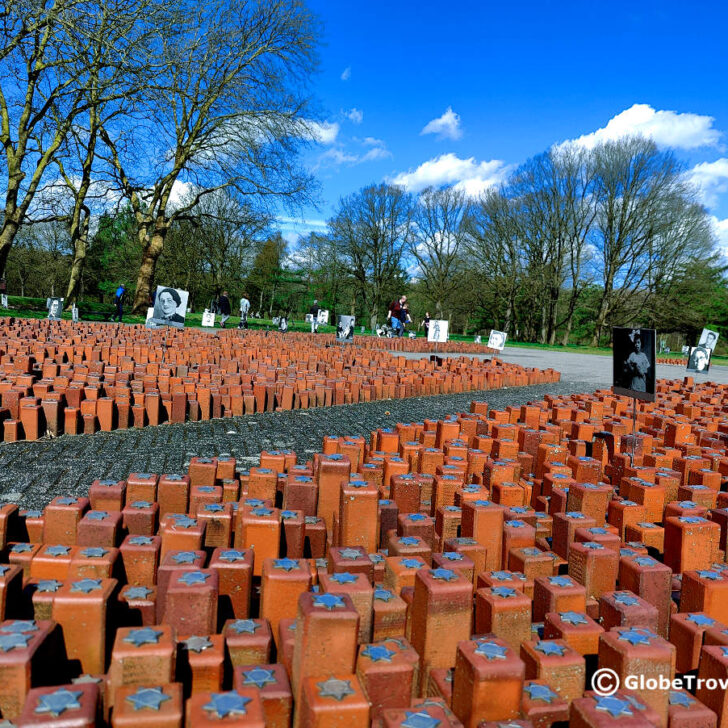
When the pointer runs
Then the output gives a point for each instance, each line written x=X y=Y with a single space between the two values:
x=49 y=585
x=253 y=502
x=351 y=554
x=409 y=541
x=482 y=503
x=97 y=515
x=193 y=578
x=213 y=508
x=262 y=512
x=491 y=651
x=143 y=636
x=540 y=692
x=144 y=476
x=416 y=517
x=333 y=688
x=443 y=574
x=635 y=636
x=549 y=648
x=232 y=555
x=682 y=699
x=58 y=550
x=285 y=564
x=259 y=677
x=31 y=513
x=358 y=483
x=185 y=522
x=108 y=482
x=575 y=514
x=344 y=578
x=173 y=478
x=94 y=552
x=710 y=575
x=599 y=531
x=141 y=541
x=244 y=626
x=86 y=586
x=9 y=642
x=701 y=620
x=58 y=702
x=501 y=575
x=452 y=556
x=592 y=546
x=141 y=504
x=411 y=563
x=376 y=558
x=644 y=561
x=419 y=719
x=614 y=706
x=65 y=501
x=197 y=644
x=378 y=653
x=383 y=595
x=21 y=548
x=686 y=504
x=561 y=581
x=137 y=592
x=288 y=515
x=222 y=705
x=205 y=489
x=504 y=592
x=19 y=626
x=517 y=524
x=184 y=557
x=4 y=568
x=148 y=699
x=531 y=551
x=572 y=618
x=328 y=601
x=694 y=520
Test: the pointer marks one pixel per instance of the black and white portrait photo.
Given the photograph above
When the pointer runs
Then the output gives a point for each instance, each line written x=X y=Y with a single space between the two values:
x=633 y=363
x=345 y=328
x=497 y=340
x=55 y=308
x=708 y=339
x=170 y=307
x=437 y=331
x=699 y=359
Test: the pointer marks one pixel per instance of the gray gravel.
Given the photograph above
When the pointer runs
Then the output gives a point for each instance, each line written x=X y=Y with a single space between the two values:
x=32 y=473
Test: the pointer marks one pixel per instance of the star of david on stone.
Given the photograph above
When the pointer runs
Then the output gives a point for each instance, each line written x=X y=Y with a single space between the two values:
x=9 y=642
x=4 y=568
x=222 y=705
x=491 y=651
x=409 y=541
x=575 y=514
x=86 y=586
x=561 y=581
x=344 y=578
x=504 y=592
x=531 y=551
x=148 y=699
x=572 y=618
x=501 y=575
x=285 y=564
x=253 y=502
x=32 y=513
x=644 y=561
x=143 y=636
x=635 y=637
x=725 y=650
x=262 y=512
x=58 y=702
x=710 y=575
x=65 y=501
x=310 y=520
x=21 y=548
x=94 y=552
x=232 y=555
x=107 y=482
x=259 y=677
x=549 y=648
x=700 y=619
x=141 y=504
x=678 y=698
x=288 y=515
x=58 y=550
x=328 y=601
x=691 y=519
x=350 y=554
x=416 y=517
x=140 y=541
x=517 y=524
x=214 y=507
x=19 y=626
x=137 y=592
x=193 y=578
x=540 y=692
x=383 y=595
x=244 y=626
x=144 y=476
x=48 y=585
x=378 y=653
x=452 y=556
x=443 y=574
x=334 y=688
x=419 y=719
x=376 y=558
x=482 y=503
x=205 y=489
x=687 y=504
x=411 y=563
x=358 y=483
x=197 y=644
x=97 y=515
x=185 y=522
x=614 y=706
x=184 y=557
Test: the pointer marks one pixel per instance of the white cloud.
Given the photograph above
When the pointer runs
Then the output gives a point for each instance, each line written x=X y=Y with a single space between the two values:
x=720 y=228
x=372 y=142
x=355 y=115
x=379 y=152
x=711 y=178
x=180 y=192
x=323 y=132
x=338 y=155
x=668 y=128
x=446 y=126
x=346 y=74
x=469 y=175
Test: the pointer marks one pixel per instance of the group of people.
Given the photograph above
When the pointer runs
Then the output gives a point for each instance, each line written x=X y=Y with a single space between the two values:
x=224 y=308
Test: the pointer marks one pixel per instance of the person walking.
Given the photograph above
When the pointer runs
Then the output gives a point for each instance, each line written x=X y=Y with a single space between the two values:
x=398 y=315
x=314 y=311
x=244 y=310
x=119 y=303
x=223 y=306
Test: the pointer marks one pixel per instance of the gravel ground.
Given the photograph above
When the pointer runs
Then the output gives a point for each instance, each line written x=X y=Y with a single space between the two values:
x=32 y=473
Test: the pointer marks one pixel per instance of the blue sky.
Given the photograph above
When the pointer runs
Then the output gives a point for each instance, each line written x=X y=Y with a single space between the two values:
x=418 y=92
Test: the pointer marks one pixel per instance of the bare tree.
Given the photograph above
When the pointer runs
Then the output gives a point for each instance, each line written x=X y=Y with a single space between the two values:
x=437 y=242
x=227 y=110
x=372 y=230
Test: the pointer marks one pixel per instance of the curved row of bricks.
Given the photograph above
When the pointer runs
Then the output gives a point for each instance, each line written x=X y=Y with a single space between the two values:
x=55 y=379
x=462 y=571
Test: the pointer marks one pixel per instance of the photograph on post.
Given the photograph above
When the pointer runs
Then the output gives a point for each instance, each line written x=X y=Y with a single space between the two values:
x=345 y=328
x=497 y=340
x=55 y=309
x=699 y=359
x=437 y=331
x=170 y=307
x=633 y=363
x=708 y=339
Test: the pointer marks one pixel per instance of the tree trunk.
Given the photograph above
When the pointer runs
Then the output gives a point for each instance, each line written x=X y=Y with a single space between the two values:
x=150 y=256
x=74 y=280
x=601 y=320
x=7 y=236
x=567 y=333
